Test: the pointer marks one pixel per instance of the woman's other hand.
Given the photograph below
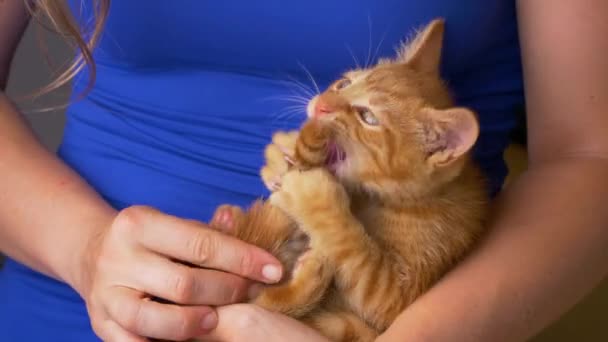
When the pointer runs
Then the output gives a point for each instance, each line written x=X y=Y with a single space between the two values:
x=251 y=323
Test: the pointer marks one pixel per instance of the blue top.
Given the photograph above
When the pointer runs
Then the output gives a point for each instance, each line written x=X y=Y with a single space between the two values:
x=188 y=93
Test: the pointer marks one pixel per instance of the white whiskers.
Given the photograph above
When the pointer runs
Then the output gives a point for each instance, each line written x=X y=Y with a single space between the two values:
x=312 y=79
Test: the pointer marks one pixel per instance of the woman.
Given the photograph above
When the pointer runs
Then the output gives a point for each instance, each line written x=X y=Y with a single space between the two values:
x=186 y=96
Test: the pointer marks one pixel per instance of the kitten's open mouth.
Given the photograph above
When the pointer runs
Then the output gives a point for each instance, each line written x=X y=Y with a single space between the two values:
x=335 y=157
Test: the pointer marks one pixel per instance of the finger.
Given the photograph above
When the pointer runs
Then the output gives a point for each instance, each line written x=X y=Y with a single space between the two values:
x=198 y=245
x=141 y=316
x=182 y=284
x=244 y=322
x=232 y=322
x=251 y=323
x=114 y=332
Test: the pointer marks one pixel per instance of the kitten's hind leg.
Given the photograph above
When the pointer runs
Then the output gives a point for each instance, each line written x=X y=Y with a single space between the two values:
x=303 y=291
x=366 y=273
x=341 y=326
x=268 y=227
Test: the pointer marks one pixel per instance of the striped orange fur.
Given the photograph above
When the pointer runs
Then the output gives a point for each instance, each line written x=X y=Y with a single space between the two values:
x=382 y=198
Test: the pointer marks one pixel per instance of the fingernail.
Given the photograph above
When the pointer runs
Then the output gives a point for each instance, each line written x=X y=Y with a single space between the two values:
x=254 y=290
x=272 y=272
x=209 y=321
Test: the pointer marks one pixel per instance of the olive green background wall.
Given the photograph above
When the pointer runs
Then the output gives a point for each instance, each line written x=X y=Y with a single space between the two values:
x=587 y=322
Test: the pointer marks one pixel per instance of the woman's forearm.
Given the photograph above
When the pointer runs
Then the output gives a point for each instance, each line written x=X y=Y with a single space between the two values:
x=48 y=214
x=547 y=248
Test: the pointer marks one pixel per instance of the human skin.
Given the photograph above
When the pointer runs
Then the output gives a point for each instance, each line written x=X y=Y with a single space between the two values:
x=52 y=221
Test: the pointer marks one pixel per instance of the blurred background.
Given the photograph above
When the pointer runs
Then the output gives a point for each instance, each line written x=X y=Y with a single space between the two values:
x=32 y=68
x=586 y=322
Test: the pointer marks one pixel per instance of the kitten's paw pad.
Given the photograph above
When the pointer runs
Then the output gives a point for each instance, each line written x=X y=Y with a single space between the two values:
x=225 y=218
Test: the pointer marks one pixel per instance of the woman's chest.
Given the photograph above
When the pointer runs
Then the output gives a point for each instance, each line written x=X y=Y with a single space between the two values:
x=279 y=36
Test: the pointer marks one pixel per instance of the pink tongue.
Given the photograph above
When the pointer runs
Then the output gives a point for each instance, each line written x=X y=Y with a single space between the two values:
x=332 y=155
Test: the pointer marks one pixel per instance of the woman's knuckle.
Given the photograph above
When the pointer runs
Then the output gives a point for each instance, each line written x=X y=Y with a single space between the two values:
x=202 y=247
x=131 y=217
x=186 y=325
x=134 y=318
x=183 y=286
x=247 y=265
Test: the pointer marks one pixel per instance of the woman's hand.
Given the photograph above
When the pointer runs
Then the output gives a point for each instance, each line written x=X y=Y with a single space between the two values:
x=144 y=255
x=251 y=323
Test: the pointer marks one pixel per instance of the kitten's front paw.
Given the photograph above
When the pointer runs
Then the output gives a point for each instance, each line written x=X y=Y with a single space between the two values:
x=310 y=195
x=312 y=145
x=279 y=157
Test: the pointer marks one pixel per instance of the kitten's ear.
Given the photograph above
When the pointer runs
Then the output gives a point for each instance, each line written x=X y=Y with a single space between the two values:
x=424 y=51
x=448 y=134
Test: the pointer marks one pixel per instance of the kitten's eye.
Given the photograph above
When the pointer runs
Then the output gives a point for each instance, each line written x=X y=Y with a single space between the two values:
x=342 y=84
x=367 y=116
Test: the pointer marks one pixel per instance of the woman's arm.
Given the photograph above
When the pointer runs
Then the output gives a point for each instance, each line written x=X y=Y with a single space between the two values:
x=549 y=241
x=38 y=194
x=53 y=221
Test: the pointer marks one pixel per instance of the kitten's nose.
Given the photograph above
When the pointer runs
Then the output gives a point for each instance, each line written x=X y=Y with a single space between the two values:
x=322 y=109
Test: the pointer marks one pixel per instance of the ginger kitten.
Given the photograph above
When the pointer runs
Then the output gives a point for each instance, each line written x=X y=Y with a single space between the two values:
x=382 y=201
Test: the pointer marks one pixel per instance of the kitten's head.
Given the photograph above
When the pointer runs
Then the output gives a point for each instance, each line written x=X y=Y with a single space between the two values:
x=394 y=125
